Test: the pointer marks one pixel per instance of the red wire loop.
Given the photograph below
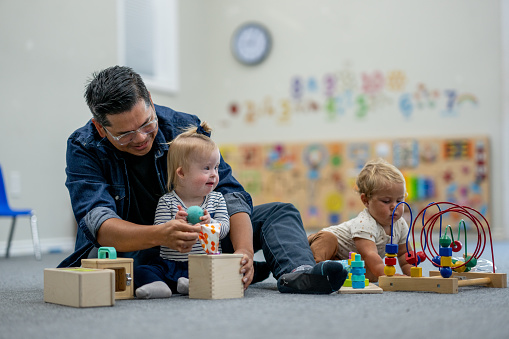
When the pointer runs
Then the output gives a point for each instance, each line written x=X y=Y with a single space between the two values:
x=469 y=213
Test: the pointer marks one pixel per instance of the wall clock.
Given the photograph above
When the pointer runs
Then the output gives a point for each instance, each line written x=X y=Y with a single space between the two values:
x=251 y=43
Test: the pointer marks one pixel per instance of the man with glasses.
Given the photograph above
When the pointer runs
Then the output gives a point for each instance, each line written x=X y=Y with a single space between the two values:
x=117 y=171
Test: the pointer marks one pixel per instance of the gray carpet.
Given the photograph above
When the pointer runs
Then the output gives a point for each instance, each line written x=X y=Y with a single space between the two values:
x=475 y=312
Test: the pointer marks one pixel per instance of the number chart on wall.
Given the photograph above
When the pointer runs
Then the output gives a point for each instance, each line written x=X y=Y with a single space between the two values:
x=319 y=178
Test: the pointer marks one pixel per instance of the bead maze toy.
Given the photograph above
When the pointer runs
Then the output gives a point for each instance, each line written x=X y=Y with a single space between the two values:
x=452 y=273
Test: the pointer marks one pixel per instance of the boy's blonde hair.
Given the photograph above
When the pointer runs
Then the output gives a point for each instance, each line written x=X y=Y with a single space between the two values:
x=375 y=175
x=186 y=148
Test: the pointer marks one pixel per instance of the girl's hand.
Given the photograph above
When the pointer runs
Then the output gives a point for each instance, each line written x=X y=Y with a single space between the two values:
x=181 y=214
x=205 y=219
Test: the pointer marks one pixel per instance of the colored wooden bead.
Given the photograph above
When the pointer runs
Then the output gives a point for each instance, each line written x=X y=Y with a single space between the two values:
x=459 y=269
x=456 y=246
x=358 y=278
x=422 y=255
x=358 y=284
x=389 y=271
x=358 y=270
x=391 y=261
x=445 y=272
x=351 y=257
x=472 y=262
x=445 y=241
x=357 y=264
x=348 y=281
x=412 y=258
x=445 y=251
x=391 y=248
x=416 y=272
x=446 y=261
x=389 y=255
x=436 y=261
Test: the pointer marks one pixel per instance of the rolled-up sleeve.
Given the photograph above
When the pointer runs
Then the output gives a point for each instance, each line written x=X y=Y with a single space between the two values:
x=236 y=203
x=94 y=219
x=94 y=198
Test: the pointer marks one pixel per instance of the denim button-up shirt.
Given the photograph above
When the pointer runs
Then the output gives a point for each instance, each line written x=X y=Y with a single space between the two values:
x=99 y=188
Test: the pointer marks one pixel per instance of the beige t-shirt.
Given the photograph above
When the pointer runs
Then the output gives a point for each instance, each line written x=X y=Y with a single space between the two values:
x=365 y=226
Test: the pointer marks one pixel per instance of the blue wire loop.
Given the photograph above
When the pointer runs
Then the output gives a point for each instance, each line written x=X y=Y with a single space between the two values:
x=392 y=218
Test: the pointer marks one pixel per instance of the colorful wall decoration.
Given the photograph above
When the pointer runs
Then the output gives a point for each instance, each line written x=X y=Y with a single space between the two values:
x=319 y=178
x=345 y=92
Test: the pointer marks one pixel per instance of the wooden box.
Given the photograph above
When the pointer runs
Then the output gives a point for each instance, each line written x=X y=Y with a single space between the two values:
x=123 y=268
x=79 y=287
x=215 y=276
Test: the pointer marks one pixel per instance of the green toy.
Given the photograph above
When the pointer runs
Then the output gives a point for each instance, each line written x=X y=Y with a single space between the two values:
x=193 y=214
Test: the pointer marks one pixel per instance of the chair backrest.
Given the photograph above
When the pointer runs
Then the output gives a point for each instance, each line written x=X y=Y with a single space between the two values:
x=3 y=194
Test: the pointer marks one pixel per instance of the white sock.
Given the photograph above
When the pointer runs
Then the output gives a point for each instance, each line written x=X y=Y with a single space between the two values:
x=156 y=289
x=183 y=285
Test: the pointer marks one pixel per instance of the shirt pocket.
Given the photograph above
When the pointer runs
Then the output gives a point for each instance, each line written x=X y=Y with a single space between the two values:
x=119 y=195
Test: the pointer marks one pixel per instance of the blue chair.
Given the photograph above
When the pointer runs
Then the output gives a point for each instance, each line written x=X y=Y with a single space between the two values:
x=6 y=211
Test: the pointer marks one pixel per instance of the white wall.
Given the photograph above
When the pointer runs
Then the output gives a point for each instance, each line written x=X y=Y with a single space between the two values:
x=49 y=48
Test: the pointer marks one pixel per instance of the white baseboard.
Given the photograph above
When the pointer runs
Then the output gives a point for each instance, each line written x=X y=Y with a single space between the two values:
x=26 y=247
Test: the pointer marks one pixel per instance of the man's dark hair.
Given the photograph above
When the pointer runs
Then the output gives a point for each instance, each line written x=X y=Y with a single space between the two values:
x=114 y=90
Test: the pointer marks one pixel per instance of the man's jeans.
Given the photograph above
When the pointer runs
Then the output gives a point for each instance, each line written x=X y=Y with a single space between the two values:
x=279 y=233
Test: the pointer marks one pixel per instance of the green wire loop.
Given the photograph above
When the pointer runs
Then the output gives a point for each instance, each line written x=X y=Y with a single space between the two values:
x=459 y=230
x=450 y=230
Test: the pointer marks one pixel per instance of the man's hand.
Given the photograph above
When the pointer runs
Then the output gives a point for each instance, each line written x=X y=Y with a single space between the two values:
x=241 y=235
x=179 y=235
x=246 y=267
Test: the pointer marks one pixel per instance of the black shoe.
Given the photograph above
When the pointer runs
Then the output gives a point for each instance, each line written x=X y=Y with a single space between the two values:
x=261 y=271
x=324 y=278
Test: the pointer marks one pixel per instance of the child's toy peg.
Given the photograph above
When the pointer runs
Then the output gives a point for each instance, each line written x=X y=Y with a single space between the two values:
x=111 y=251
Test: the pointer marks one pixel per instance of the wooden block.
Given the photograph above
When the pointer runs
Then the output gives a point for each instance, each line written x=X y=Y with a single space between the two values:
x=497 y=280
x=123 y=268
x=415 y=272
x=369 y=289
x=446 y=261
x=215 y=276
x=79 y=287
x=389 y=270
x=391 y=261
x=422 y=284
x=348 y=281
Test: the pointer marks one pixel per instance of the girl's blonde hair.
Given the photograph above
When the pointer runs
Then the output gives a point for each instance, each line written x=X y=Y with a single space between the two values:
x=375 y=175
x=186 y=148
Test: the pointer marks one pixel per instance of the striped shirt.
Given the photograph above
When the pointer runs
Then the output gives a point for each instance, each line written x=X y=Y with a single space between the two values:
x=167 y=209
